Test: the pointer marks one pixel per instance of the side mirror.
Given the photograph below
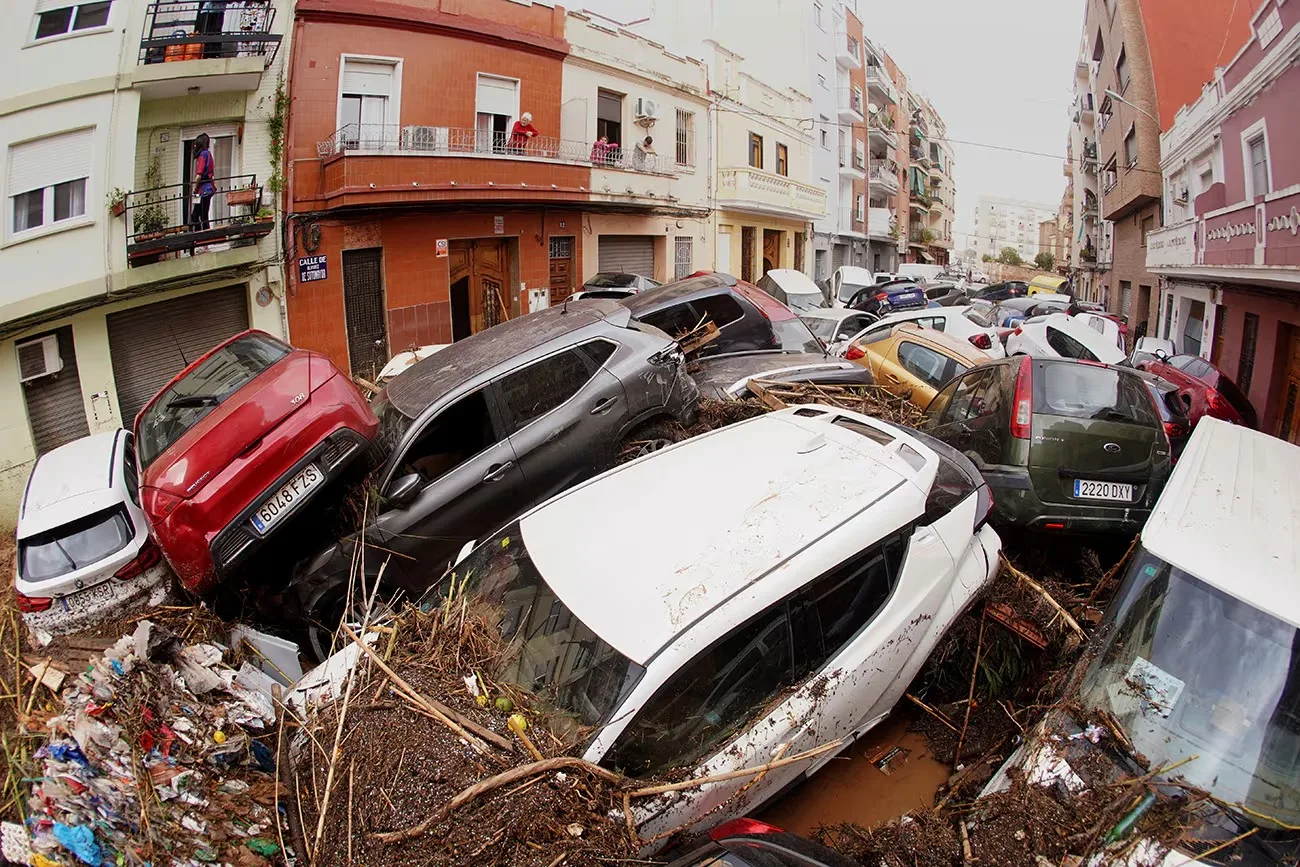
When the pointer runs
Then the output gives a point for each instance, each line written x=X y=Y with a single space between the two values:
x=403 y=489
x=1161 y=355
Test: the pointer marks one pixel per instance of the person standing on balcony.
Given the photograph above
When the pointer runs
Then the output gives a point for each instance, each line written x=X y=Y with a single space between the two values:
x=600 y=151
x=522 y=133
x=211 y=21
x=204 y=188
x=643 y=152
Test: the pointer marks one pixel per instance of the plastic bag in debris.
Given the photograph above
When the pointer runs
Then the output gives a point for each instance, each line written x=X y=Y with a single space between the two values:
x=80 y=841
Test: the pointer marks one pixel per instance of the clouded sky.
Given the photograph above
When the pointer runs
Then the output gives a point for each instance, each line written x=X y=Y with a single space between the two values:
x=999 y=72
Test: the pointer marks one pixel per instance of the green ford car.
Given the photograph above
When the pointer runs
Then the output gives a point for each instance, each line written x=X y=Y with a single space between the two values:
x=1068 y=446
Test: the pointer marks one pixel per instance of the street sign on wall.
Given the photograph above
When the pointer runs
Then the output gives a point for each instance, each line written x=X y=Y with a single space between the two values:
x=311 y=268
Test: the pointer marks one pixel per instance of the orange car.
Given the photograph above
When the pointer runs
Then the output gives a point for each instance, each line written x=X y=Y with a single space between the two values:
x=914 y=362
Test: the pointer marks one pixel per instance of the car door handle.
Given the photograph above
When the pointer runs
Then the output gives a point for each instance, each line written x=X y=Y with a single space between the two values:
x=604 y=406
x=893 y=377
x=497 y=472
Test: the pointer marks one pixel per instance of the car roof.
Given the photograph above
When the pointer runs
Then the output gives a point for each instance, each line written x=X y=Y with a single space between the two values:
x=1230 y=516
x=839 y=314
x=70 y=482
x=650 y=562
x=653 y=299
x=793 y=282
x=855 y=274
x=1079 y=331
x=498 y=347
x=946 y=343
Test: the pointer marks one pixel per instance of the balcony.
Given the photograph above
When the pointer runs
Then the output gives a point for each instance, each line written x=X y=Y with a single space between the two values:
x=881 y=225
x=1086 y=113
x=920 y=202
x=852 y=164
x=185 y=47
x=757 y=191
x=850 y=108
x=850 y=222
x=881 y=132
x=879 y=83
x=848 y=54
x=920 y=156
x=884 y=178
x=918 y=236
x=939 y=204
x=158 y=220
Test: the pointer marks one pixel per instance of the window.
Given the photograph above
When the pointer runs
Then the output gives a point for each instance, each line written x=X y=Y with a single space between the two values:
x=365 y=110
x=755 y=150
x=685 y=138
x=68 y=19
x=927 y=365
x=1169 y=314
x=75 y=545
x=1246 y=366
x=47 y=180
x=1098 y=48
x=455 y=435
x=542 y=386
x=817 y=16
x=673 y=321
x=130 y=472
x=721 y=310
x=861 y=205
x=1091 y=392
x=1193 y=324
x=1066 y=346
x=1257 y=166
x=1110 y=176
x=821 y=80
x=857 y=99
x=782 y=159
x=1148 y=226
x=598 y=351
x=1121 y=70
x=683 y=257
x=952 y=484
x=609 y=116
x=1269 y=28
x=826 y=139
x=1131 y=147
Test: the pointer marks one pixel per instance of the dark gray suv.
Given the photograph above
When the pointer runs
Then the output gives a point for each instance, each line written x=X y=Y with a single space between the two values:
x=494 y=424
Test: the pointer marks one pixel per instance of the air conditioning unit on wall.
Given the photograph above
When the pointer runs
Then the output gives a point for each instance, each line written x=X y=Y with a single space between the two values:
x=647 y=109
x=37 y=358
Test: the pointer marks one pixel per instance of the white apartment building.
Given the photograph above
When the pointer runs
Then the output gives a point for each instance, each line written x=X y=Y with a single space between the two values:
x=1092 y=242
x=109 y=288
x=1002 y=223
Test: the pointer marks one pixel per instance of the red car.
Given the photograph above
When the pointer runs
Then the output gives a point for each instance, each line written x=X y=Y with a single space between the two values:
x=1205 y=389
x=238 y=441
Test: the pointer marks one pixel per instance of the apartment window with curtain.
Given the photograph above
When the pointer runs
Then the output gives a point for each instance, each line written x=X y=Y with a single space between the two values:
x=609 y=116
x=57 y=17
x=755 y=150
x=365 y=103
x=1121 y=69
x=1257 y=168
x=860 y=214
x=782 y=159
x=685 y=138
x=47 y=180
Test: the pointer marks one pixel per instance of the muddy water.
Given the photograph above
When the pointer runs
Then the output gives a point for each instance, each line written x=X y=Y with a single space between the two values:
x=852 y=789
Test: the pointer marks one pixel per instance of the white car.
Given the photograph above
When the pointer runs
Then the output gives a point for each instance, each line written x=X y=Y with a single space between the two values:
x=849 y=280
x=1103 y=325
x=1147 y=349
x=835 y=326
x=84 y=551
x=1062 y=336
x=956 y=321
x=788 y=609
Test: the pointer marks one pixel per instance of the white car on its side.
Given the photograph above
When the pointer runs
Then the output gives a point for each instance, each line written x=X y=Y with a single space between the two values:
x=709 y=634
x=835 y=326
x=956 y=321
x=1062 y=336
x=84 y=551
x=1103 y=325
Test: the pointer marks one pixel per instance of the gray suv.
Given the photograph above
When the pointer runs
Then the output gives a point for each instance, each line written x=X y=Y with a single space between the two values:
x=494 y=424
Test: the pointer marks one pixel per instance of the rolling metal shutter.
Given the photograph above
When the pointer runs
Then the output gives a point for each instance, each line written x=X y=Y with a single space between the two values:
x=50 y=161
x=152 y=343
x=630 y=254
x=55 y=407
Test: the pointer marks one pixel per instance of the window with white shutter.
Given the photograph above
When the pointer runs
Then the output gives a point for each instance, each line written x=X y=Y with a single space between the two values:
x=57 y=17
x=368 y=99
x=47 y=179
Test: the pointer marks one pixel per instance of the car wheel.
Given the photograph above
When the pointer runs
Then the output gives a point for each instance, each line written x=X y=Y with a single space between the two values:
x=326 y=612
x=649 y=438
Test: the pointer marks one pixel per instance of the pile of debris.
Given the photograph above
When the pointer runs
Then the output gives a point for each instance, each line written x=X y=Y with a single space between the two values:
x=418 y=756
x=872 y=400
x=161 y=753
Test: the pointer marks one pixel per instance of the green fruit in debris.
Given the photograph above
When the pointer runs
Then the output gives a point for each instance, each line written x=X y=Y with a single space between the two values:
x=504 y=704
x=481 y=699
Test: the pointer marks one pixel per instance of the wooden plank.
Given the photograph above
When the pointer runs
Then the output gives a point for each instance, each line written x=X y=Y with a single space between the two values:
x=772 y=402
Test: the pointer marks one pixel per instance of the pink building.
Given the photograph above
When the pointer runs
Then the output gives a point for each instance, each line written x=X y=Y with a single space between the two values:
x=1229 y=256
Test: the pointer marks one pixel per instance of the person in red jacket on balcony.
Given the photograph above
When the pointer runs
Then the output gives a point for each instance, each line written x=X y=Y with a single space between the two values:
x=522 y=132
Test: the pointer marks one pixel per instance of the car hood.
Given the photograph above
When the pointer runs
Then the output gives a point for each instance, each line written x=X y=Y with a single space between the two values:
x=717 y=374
x=240 y=421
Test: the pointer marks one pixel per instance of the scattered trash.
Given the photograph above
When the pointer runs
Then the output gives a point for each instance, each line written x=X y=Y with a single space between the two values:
x=889 y=759
x=274 y=656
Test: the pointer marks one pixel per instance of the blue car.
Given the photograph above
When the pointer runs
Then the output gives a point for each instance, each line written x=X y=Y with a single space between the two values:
x=891 y=297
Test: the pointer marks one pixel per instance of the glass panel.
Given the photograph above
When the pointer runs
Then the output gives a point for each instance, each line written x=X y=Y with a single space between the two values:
x=539 y=388
x=54 y=22
x=75 y=545
x=92 y=15
x=1086 y=391
x=29 y=210
x=69 y=199
x=457 y=434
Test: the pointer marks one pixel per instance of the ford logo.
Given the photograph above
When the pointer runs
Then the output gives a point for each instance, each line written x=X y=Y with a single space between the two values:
x=1113 y=448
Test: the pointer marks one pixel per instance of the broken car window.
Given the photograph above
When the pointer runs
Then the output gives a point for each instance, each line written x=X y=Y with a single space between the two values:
x=455 y=435
x=542 y=386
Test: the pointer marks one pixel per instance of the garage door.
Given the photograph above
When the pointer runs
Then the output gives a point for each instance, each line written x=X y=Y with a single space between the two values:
x=152 y=343
x=631 y=254
x=55 y=407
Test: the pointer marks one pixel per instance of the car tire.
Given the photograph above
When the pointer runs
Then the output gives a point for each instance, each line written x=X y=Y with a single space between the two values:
x=648 y=438
x=325 y=611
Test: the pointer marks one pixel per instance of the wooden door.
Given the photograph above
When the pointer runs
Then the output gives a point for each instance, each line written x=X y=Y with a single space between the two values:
x=1289 y=425
x=561 y=270
x=478 y=270
x=771 y=250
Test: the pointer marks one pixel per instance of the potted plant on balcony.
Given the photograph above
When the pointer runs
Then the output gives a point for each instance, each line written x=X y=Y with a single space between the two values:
x=149 y=221
x=265 y=215
x=245 y=196
x=116 y=201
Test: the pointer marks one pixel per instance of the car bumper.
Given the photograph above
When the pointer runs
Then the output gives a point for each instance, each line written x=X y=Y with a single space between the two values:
x=1016 y=502
x=152 y=588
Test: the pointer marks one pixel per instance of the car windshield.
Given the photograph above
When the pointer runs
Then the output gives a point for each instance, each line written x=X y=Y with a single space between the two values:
x=809 y=301
x=982 y=315
x=549 y=651
x=1190 y=671
x=611 y=281
x=74 y=546
x=188 y=401
x=794 y=336
x=823 y=328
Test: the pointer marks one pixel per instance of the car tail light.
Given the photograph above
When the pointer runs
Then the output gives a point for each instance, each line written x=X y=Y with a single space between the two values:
x=160 y=504
x=743 y=828
x=146 y=559
x=1220 y=408
x=854 y=352
x=30 y=604
x=881 y=296
x=1017 y=330
x=981 y=341
x=1023 y=404
x=983 y=506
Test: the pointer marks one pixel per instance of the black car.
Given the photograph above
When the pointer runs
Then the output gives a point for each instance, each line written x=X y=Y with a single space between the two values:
x=1002 y=291
x=758 y=335
x=489 y=427
x=1173 y=410
x=945 y=294
x=890 y=297
x=750 y=843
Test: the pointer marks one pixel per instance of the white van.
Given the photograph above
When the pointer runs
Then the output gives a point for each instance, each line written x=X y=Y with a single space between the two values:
x=926 y=273
x=1197 y=654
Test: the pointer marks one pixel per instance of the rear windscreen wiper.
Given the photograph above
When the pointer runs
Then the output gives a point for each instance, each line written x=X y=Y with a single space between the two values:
x=192 y=401
x=1113 y=415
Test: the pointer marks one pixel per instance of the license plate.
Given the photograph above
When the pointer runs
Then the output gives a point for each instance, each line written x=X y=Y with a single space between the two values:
x=1086 y=490
x=903 y=299
x=283 y=501
x=89 y=598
